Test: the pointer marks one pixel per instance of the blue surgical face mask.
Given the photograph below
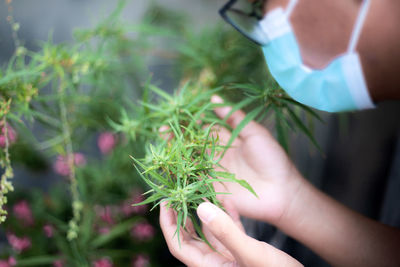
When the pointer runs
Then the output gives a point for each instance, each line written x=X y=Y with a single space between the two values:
x=340 y=86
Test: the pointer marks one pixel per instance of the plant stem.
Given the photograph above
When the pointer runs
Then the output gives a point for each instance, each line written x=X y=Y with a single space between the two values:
x=76 y=203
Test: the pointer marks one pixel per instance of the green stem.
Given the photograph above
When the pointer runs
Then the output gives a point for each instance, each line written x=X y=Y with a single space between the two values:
x=76 y=203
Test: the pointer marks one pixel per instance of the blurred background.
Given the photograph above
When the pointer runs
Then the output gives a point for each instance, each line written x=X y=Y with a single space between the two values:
x=359 y=164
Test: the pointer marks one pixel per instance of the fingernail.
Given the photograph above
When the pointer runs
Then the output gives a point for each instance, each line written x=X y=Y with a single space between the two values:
x=206 y=212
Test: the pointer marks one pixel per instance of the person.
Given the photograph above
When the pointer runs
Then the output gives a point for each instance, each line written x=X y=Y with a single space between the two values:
x=331 y=55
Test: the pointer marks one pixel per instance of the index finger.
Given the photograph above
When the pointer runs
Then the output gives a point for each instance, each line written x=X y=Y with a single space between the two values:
x=188 y=250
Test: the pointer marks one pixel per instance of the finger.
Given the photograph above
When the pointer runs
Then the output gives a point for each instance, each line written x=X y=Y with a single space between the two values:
x=168 y=228
x=221 y=226
x=246 y=250
x=252 y=128
x=191 y=252
x=168 y=223
x=231 y=210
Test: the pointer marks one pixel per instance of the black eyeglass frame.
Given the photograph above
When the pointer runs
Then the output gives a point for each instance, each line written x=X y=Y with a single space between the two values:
x=227 y=7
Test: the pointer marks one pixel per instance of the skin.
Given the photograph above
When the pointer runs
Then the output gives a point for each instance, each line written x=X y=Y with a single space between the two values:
x=226 y=234
x=323 y=29
x=336 y=233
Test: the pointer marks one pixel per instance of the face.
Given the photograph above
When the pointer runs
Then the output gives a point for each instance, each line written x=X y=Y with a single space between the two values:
x=323 y=29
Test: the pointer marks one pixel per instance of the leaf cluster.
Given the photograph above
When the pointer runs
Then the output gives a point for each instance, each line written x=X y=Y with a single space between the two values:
x=180 y=162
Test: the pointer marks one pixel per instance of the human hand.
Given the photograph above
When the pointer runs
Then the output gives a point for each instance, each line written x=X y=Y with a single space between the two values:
x=233 y=246
x=256 y=157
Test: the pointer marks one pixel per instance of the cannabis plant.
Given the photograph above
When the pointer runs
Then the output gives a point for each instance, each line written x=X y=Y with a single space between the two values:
x=182 y=150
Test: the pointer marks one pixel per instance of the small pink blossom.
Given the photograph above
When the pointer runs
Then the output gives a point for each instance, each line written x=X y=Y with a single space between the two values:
x=58 y=263
x=143 y=231
x=127 y=208
x=104 y=230
x=19 y=244
x=141 y=260
x=106 y=214
x=12 y=261
x=61 y=165
x=104 y=262
x=11 y=134
x=8 y=263
x=79 y=159
x=106 y=142
x=48 y=230
x=23 y=213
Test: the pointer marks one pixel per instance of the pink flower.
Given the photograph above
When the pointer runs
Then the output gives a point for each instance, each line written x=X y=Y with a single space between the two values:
x=143 y=231
x=141 y=260
x=104 y=262
x=23 y=212
x=12 y=261
x=48 y=230
x=105 y=214
x=61 y=165
x=58 y=263
x=106 y=142
x=8 y=263
x=104 y=230
x=11 y=134
x=79 y=159
x=19 y=244
x=127 y=208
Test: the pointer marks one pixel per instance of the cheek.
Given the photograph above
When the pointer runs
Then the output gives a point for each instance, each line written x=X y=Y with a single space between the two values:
x=323 y=29
x=379 y=50
x=272 y=4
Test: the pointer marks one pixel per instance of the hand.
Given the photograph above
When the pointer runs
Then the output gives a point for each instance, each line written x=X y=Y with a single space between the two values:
x=256 y=157
x=234 y=247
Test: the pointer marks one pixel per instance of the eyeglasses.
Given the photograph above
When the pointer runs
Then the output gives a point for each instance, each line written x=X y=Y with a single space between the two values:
x=245 y=16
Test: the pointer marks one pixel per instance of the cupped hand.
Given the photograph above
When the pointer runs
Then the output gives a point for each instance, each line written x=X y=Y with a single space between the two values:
x=233 y=246
x=255 y=156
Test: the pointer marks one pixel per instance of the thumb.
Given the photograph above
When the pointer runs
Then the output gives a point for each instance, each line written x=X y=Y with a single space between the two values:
x=225 y=230
x=246 y=250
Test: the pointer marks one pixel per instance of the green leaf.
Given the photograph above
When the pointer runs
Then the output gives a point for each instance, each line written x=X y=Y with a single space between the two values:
x=150 y=199
x=282 y=138
x=37 y=261
x=200 y=232
x=247 y=101
x=231 y=177
x=178 y=226
x=160 y=92
x=207 y=195
x=115 y=232
x=304 y=107
x=303 y=128
x=235 y=133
